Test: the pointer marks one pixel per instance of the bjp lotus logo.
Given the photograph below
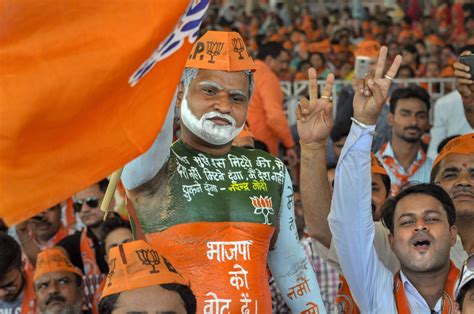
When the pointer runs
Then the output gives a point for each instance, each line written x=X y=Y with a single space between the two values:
x=149 y=258
x=263 y=206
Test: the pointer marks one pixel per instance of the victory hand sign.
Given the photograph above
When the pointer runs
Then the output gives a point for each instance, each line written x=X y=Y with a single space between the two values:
x=371 y=92
x=315 y=119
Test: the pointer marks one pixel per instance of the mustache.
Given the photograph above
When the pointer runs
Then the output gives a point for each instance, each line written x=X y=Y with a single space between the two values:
x=463 y=190
x=413 y=128
x=215 y=114
x=55 y=297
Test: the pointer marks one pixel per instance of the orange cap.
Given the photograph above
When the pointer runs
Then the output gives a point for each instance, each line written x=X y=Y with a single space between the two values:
x=135 y=265
x=53 y=260
x=368 y=48
x=376 y=165
x=463 y=145
x=220 y=51
x=435 y=40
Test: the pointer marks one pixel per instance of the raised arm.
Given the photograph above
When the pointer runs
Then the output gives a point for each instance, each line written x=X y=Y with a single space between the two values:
x=145 y=167
x=465 y=87
x=350 y=219
x=289 y=264
x=314 y=123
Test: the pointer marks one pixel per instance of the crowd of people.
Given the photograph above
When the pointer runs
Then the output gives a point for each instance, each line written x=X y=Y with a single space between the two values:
x=233 y=211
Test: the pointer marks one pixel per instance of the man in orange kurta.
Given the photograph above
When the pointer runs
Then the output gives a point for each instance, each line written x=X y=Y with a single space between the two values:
x=266 y=118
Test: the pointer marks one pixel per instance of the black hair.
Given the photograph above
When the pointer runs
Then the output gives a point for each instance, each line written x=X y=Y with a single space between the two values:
x=107 y=304
x=387 y=184
x=271 y=48
x=435 y=169
x=467 y=48
x=463 y=292
x=112 y=223
x=339 y=131
x=3 y=226
x=410 y=49
x=10 y=254
x=433 y=190
x=103 y=184
x=411 y=91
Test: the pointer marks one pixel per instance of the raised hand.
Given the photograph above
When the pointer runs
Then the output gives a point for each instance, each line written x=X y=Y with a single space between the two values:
x=371 y=92
x=464 y=81
x=314 y=117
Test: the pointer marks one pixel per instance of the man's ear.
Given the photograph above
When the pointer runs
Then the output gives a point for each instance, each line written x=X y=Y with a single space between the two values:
x=390 y=240
x=390 y=118
x=179 y=97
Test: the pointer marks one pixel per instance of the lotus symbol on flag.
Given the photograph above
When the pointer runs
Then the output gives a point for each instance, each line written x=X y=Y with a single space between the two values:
x=263 y=206
x=149 y=257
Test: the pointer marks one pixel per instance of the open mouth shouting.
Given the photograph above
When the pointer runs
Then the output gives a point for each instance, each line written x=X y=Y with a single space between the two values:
x=421 y=243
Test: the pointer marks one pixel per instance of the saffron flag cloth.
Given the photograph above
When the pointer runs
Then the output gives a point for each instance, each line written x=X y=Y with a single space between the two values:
x=85 y=86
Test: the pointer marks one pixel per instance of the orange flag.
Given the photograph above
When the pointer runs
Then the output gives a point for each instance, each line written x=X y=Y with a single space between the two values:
x=85 y=86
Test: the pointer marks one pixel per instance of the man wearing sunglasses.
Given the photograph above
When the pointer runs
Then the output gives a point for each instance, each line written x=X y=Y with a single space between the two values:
x=84 y=247
x=16 y=291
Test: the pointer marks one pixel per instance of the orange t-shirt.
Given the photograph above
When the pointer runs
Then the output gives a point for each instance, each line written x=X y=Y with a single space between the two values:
x=266 y=118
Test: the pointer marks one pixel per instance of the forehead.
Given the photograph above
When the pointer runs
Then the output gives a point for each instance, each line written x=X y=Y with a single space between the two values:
x=91 y=191
x=412 y=104
x=229 y=80
x=54 y=276
x=417 y=204
x=458 y=161
x=119 y=235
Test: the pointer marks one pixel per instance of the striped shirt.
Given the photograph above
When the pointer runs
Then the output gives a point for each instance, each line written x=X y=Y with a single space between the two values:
x=422 y=175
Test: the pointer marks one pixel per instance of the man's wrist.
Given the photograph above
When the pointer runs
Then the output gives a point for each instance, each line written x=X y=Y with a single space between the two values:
x=317 y=145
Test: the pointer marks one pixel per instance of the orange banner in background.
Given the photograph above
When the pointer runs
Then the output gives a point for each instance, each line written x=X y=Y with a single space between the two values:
x=85 y=86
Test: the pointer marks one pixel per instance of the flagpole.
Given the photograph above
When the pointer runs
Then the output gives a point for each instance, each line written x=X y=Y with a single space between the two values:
x=109 y=194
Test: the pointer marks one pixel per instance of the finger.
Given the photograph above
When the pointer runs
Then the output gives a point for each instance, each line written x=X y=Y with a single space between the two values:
x=368 y=78
x=461 y=67
x=328 y=116
x=299 y=115
x=392 y=72
x=465 y=81
x=313 y=84
x=376 y=90
x=458 y=73
x=304 y=105
x=381 y=62
x=466 y=53
x=359 y=83
x=327 y=90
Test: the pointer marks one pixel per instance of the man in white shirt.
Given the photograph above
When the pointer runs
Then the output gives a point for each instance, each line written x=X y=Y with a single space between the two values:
x=421 y=222
x=449 y=120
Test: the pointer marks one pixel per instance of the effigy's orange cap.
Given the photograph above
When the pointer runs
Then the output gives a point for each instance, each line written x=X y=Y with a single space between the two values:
x=463 y=145
x=376 y=165
x=135 y=265
x=224 y=51
x=53 y=260
x=368 y=48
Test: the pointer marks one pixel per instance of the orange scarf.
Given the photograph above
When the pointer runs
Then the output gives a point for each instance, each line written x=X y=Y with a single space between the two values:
x=92 y=276
x=28 y=305
x=345 y=302
x=448 y=293
x=394 y=169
